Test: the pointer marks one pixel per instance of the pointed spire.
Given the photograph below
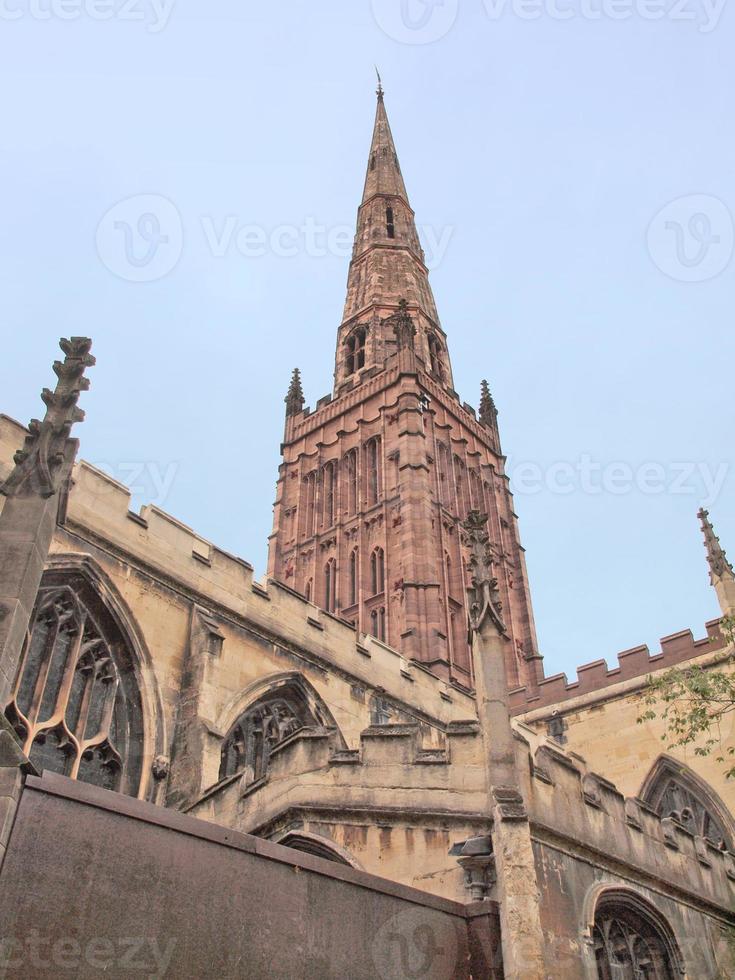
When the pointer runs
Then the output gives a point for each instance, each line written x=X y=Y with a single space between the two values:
x=388 y=262
x=384 y=172
x=719 y=566
x=488 y=412
x=295 y=396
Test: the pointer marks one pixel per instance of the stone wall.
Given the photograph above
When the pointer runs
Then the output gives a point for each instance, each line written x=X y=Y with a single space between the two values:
x=136 y=889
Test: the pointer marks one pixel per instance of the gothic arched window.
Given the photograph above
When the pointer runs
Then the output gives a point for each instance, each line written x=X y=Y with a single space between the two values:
x=372 y=454
x=629 y=943
x=273 y=718
x=390 y=223
x=355 y=351
x=309 y=509
x=350 y=482
x=674 y=791
x=354 y=575
x=435 y=357
x=377 y=623
x=377 y=571
x=460 y=486
x=76 y=707
x=329 y=487
x=330 y=585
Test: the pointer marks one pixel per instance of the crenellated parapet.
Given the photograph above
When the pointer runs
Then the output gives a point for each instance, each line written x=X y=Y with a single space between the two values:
x=633 y=664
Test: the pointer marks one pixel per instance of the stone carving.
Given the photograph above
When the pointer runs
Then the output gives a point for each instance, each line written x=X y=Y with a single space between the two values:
x=263 y=726
x=160 y=767
x=484 y=598
x=488 y=412
x=38 y=465
x=403 y=326
x=295 y=396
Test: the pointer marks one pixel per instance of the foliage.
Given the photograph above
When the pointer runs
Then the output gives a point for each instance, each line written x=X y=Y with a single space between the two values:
x=692 y=701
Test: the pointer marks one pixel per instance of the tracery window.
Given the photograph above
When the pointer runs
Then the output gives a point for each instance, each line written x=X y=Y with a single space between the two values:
x=377 y=571
x=629 y=946
x=76 y=706
x=355 y=351
x=673 y=792
x=250 y=742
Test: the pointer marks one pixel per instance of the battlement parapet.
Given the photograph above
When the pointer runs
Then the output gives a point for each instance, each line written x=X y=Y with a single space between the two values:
x=638 y=662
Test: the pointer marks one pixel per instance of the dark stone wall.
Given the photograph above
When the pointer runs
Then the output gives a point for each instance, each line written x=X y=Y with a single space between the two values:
x=94 y=883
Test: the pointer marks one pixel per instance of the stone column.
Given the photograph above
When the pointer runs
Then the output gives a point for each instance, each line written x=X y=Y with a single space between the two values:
x=516 y=886
x=35 y=491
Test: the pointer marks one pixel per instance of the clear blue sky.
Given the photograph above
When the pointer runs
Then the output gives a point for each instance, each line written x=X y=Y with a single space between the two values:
x=544 y=147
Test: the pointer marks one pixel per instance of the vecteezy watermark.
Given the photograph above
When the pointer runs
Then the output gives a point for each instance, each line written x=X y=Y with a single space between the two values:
x=691 y=238
x=309 y=237
x=415 y=21
x=593 y=477
x=424 y=21
x=36 y=951
x=149 y=481
x=415 y=943
x=153 y=14
x=705 y=13
x=141 y=239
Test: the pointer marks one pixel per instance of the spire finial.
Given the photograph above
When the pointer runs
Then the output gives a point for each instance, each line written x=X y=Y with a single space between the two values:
x=295 y=397
x=719 y=566
x=488 y=412
x=379 y=91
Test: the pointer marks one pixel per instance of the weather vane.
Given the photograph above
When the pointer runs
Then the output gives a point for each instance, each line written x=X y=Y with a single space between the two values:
x=379 y=93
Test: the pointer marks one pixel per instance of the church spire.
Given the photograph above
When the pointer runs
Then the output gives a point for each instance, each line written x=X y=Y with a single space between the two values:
x=384 y=172
x=388 y=265
x=721 y=572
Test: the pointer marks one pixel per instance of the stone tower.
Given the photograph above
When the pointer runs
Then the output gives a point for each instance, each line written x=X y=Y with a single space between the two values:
x=376 y=482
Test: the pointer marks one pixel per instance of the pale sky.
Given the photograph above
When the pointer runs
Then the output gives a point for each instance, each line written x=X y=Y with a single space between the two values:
x=572 y=166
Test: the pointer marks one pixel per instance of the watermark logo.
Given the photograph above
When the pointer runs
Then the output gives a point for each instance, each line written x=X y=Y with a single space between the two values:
x=415 y=21
x=412 y=944
x=141 y=238
x=593 y=477
x=154 y=14
x=34 y=953
x=705 y=13
x=691 y=238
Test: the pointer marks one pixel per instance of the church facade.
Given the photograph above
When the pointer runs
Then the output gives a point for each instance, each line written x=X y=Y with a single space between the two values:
x=379 y=700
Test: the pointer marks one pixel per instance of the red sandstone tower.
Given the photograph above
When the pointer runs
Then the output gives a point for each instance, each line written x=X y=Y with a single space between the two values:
x=375 y=482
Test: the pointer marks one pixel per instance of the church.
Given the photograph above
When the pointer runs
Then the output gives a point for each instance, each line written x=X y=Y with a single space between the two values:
x=356 y=767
